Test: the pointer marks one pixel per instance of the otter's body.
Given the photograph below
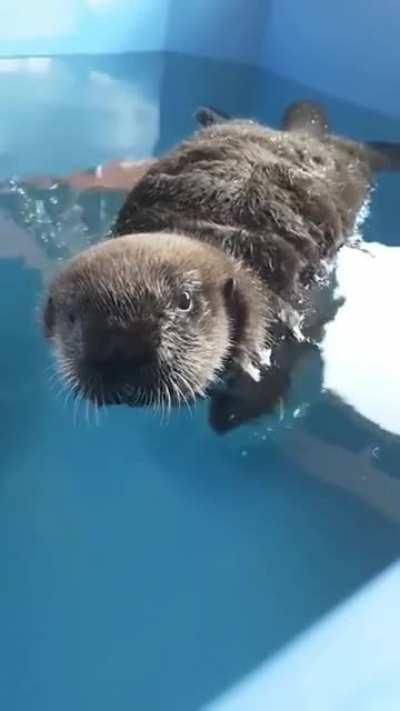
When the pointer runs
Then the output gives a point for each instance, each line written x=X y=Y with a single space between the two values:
x=281 y=201
x=215 y=251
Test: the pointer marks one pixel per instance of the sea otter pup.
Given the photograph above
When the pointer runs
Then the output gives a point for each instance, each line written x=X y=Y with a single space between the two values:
x=214 y=257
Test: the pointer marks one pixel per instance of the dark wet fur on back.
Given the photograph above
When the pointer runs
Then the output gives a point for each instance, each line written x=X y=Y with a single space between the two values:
x=282 y=201
x=246 y=217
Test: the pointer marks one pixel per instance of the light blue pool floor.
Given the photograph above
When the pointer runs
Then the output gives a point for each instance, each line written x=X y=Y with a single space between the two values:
x=149 y=566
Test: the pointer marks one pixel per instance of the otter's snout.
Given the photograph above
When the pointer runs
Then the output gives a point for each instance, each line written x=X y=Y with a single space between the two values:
x=112 y=351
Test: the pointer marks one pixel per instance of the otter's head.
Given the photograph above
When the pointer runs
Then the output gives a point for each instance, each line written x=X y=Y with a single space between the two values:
x=143 y=319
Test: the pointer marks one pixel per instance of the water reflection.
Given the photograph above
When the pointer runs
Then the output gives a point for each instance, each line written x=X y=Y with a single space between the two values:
x=124 y=105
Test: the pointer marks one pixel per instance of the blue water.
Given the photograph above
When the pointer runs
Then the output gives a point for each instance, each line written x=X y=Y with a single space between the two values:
x=145 y=565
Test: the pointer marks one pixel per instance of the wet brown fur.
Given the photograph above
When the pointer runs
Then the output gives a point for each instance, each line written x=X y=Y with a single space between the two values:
x=253 y=212
x=279 y=201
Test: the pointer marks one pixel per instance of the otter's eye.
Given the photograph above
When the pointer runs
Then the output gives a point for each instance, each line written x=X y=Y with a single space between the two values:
x=185 y=301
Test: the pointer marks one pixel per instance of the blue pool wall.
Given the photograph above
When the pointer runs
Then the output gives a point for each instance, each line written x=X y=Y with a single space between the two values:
x=349 y=49
x=54 y=27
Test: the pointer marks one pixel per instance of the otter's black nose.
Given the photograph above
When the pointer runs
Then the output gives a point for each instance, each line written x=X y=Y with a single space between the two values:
x=116 y=350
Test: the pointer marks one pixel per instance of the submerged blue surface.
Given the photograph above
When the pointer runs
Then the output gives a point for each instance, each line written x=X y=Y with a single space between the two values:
x=150 y=565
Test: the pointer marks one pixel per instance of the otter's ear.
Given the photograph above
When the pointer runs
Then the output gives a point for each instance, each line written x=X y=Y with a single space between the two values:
x=49 y=317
